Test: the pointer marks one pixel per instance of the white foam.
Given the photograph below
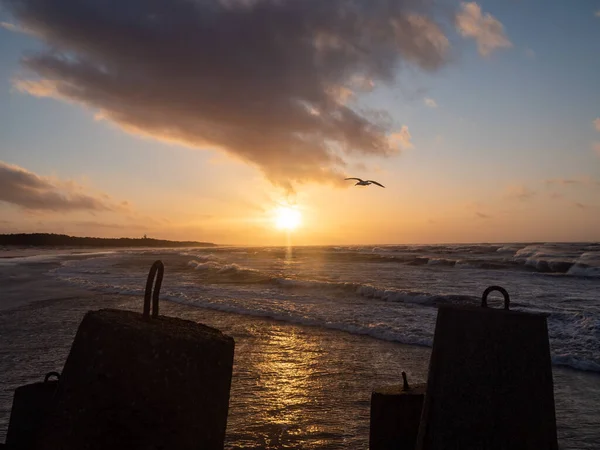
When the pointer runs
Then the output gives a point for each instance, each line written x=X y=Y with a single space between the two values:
x=235 y=268
x=231 y=268
x=393 y=295
x=203 y=265
x=201 y=256
x=462 y=264
x=576 y=363
x=584 y=271
x=440 y=262
x=377 y=332
x=48 y=257
x=509 y=248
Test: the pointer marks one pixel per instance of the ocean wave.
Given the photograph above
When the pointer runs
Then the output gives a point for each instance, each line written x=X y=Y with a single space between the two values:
x=574 y=338
x=363 y=290
x=230 y=271
x=575 y=362
x=201 y=256
x=583 y=270
x=509 y=248
x=379 y=331
x=552 y=265
x=348 y=290
x=420 y=298
x=566 y=259
x=440 y=262
x=50 y=257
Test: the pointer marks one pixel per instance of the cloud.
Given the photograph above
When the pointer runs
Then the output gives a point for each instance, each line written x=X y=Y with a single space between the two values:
x=9 y=26
x=583 y=180
x=597 y=13
x=16 y=28
x=580 y=205
x=268 y=82
x=481 y=215
x=519 y=192
x=430 y=102
x=487 y=31
x=20 y=187
x=565 y=181
x=597 y=124
x=402 y=139
x=596 y=147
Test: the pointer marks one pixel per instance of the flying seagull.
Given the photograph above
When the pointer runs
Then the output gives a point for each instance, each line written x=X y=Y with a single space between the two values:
x=365 y=182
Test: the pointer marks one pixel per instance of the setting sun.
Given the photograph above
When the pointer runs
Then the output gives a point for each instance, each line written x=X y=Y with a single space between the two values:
x=287 y=218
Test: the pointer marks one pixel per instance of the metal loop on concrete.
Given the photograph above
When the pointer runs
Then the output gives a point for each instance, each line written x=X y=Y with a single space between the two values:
x=500 y=289
x=51 y=374
x=158 y=270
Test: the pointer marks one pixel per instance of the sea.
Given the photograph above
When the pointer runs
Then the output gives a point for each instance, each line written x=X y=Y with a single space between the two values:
x=317 y=328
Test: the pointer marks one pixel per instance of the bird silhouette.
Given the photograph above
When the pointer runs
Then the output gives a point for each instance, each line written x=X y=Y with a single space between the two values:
x=365 y=182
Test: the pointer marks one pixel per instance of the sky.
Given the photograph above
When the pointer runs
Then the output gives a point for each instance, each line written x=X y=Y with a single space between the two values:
x=201 y=120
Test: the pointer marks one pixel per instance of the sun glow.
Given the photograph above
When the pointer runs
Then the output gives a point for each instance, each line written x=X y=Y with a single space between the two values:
x=287 y=218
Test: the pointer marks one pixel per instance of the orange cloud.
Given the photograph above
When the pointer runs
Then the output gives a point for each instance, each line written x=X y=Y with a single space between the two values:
x=487 y=31
x=402 y=139
x=43 y=88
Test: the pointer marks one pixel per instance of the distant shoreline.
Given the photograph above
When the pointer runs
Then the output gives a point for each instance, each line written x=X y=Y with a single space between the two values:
x=63 y=240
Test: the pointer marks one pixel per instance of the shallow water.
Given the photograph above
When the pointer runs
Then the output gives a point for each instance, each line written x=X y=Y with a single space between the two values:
x=390 y=293
x=294 y=386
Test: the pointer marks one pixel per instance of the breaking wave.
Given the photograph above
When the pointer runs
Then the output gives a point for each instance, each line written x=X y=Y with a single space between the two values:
x=575 y=260
x=387 y=292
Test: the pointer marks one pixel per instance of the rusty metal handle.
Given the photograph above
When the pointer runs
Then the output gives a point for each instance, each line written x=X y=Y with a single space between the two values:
x=158 y=270
x=500 y=289
x=51 y=374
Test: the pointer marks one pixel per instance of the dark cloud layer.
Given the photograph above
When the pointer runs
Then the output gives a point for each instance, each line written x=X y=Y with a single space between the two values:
x=267 y=81
x=20 y=187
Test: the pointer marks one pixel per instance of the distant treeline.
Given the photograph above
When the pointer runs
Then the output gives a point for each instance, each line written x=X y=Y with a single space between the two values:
x=62 y=240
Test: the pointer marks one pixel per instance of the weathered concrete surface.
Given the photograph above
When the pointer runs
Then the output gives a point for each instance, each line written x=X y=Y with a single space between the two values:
x=490 y=382
x=138 y=383
x=395 y=416
x=31 y=405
